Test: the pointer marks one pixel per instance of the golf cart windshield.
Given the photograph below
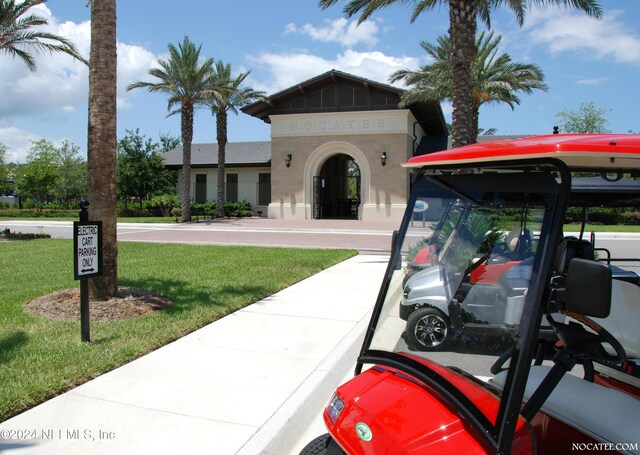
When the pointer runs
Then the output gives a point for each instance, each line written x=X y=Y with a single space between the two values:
x=460 y=290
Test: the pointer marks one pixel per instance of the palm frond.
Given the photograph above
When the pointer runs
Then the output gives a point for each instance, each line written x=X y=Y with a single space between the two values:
x=18 y=33
x=495 y=77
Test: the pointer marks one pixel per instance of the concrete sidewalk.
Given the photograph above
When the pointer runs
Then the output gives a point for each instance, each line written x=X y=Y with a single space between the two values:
x=247 y=384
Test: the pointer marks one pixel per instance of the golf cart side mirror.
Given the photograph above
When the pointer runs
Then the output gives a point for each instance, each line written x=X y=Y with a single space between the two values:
x=588 y=288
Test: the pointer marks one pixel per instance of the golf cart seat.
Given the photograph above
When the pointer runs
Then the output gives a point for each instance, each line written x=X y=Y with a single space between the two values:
x=592 y=408
x=518 y=242
x=602 y=412
x=572 y=247
x=623 y=318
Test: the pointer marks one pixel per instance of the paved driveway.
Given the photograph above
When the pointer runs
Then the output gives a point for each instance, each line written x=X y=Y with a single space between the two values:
x=366 y=237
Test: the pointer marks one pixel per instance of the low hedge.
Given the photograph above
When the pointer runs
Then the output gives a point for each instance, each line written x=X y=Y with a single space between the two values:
x=157 y=207
x=231 y=209
x=7 y=234
x=604 y=215
x=30 y=213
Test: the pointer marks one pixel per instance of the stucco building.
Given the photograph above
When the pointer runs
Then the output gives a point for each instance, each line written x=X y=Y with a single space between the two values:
x=337 y=142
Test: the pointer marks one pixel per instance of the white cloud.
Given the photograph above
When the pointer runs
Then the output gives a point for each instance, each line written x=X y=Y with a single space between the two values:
x=341 y=31
x=58 y=90
x=17 y=141
x=593 y=81
x=60 y=85
x=288 y=69
x=134 y=63
x=59 y=80
x=565 y=31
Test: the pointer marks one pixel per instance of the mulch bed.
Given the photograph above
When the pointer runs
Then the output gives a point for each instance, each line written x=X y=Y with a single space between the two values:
x=65 y=304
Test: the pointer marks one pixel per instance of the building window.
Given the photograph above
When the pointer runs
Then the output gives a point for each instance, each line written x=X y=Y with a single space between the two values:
x=322 y=99
x=201 y=188
x=297 y=104
x=264 y=189
x=351 y=97
x=232 y=188
x=360 y=98
x=328 y=97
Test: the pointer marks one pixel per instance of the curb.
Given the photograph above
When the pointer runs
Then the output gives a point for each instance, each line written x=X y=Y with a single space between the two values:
x=282 y=431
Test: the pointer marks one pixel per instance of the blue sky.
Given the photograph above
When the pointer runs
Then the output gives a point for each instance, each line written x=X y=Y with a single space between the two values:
x=288 y=41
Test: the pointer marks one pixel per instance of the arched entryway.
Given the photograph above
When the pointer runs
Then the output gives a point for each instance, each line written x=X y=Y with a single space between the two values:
x=336 y=190
x=326 y=154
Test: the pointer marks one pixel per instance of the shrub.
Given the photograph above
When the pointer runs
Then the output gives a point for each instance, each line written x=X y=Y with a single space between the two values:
x=573 y=215
x=237 y=209
x=162 y=205
x=7 y=234
x=29 y=204
x=30 y=213
x=133 y=212
x=630 y=218
x=59 y=213
x=204 y=208
x=56 y=206
x=602 y=215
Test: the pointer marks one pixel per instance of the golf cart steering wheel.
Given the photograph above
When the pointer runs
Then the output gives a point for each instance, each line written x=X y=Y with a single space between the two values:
x=602 y=335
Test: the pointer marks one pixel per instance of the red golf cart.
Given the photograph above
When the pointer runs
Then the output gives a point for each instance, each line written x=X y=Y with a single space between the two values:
x=484 y=392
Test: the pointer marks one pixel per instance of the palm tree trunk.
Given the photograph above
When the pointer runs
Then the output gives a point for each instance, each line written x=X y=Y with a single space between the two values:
x=462 y=30
x=221 y=133
x=101 y=148
x=186 y=123
x=475 y=122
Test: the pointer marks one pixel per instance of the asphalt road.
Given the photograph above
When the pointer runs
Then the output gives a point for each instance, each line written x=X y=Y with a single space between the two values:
x=361 y=236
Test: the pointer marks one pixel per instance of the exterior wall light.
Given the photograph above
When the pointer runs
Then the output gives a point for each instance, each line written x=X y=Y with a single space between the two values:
x=383 y=158
x=287 y=160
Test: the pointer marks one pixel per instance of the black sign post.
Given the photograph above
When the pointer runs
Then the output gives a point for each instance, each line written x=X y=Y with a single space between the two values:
x=87 y=248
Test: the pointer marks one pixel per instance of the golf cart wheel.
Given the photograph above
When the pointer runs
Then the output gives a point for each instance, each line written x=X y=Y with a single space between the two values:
x=322 y=445
x=428 y=329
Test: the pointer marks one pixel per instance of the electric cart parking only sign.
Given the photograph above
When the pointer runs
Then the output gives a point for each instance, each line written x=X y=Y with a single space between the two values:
x=87 y=246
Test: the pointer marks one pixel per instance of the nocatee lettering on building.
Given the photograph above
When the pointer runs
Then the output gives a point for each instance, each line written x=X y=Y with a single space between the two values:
x=336 y=125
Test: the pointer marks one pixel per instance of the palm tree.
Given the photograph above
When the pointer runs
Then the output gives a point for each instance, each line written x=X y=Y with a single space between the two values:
x=185 y=80
x=101 y=146
x=225 y=94
x=462 y=30
x=494 y=78
x=17 y=32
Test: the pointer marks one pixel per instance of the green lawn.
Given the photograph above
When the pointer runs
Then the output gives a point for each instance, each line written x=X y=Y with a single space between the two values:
x=146 y=219
x=601 y=228
x=40 y=358
x=121 y=219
